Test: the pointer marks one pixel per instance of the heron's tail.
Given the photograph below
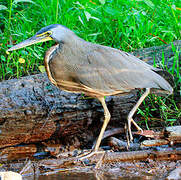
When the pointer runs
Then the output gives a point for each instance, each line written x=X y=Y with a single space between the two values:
x=169 y=78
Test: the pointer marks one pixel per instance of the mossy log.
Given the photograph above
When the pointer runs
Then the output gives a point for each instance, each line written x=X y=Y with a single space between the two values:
x=33 y=110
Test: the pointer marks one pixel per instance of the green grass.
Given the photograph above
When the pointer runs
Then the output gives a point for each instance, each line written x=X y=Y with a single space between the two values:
x=123 y=24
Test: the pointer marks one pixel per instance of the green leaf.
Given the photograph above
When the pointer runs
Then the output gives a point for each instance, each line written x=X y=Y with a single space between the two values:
x=3 y=7
x=149 y=3
x=9 y=70
x=23 y=1
x=88 y=15
x=102 y=1
x=78 y=3
x=111 y=11
x=3 y=58
x=171 y=120
x=174 y=7
x=80 y=20
x=92 y=17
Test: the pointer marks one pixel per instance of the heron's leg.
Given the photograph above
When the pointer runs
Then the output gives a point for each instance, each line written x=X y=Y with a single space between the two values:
x=107 y=117
x=136 y=125
x=131 y=113
x=106 y=121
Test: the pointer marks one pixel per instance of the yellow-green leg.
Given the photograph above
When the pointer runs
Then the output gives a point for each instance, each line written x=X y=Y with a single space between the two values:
x=131 y=113
x=107 y=117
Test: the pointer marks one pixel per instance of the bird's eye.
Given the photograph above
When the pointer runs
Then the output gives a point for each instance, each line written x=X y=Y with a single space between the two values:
x=48 y=33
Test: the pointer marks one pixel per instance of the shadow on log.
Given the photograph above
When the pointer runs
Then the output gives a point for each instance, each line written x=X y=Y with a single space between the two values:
x=33 y=110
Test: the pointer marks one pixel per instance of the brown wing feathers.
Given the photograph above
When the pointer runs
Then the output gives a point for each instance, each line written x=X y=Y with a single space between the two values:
x=103 y=69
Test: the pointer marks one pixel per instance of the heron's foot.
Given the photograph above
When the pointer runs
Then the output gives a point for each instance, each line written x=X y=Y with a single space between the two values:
x=88 y=155
x=129 y=132
x=136 y=125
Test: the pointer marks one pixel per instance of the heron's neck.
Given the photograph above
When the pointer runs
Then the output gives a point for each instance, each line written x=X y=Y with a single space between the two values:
x=73 y=42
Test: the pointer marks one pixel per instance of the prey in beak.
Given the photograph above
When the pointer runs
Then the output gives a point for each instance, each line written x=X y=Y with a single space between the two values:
x=45 y=36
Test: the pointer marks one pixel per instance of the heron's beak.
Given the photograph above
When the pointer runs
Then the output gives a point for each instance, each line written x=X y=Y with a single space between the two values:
x=33 y=40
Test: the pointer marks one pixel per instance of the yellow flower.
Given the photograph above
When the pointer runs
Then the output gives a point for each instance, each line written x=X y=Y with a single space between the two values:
x=21 y=60
x=7 y=52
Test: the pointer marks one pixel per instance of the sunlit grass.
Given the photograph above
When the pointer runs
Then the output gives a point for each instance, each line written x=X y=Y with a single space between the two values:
x=167 y=108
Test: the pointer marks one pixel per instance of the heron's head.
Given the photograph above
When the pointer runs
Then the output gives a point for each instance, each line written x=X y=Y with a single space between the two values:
x=55 y=32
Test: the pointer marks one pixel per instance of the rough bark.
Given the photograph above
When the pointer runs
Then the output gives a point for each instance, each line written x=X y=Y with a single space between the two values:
x=33 y=110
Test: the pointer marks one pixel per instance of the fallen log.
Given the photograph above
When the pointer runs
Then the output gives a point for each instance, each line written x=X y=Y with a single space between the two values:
x=108 y=157
x=33 y=110
x=168 y=137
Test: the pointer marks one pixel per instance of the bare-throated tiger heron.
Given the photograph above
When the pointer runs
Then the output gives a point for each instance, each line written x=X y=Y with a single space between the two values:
x=76 y=65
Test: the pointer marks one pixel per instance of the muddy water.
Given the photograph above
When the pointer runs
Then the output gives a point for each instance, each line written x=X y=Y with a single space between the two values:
x=69 y=176
x=89 y=176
